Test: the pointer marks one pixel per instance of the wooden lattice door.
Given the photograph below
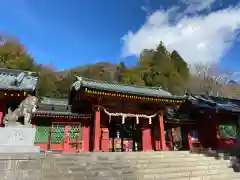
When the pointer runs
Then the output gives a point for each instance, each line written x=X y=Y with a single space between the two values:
x=42 y=137
x=75 y=138
x=57 y=137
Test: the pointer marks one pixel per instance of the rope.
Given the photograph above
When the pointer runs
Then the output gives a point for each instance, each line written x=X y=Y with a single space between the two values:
x=137 y=116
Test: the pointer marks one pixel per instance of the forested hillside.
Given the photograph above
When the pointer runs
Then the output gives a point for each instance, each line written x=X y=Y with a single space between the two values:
x=155 y=68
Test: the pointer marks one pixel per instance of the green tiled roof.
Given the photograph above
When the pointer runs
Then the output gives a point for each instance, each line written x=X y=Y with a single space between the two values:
x=225 y=104
x=17 y=80
x=113 y=87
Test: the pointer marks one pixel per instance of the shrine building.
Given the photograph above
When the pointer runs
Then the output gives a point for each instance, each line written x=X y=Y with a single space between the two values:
x=217 y=122
x=124 y=117
x=103 y=116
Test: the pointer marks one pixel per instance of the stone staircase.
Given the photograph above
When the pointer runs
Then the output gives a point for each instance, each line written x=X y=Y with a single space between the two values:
x=165 y=165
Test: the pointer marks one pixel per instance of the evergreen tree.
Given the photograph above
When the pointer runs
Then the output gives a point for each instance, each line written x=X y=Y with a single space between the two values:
x=119 y=75
x=180 y=65
x=14 y=56
x=157 y=68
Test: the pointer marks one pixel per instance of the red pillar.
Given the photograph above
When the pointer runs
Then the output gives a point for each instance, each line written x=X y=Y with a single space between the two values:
x=161 y=128
x=146 y=137
x=157 y=145
x=97 y=130
x=105 y=139
x=189 y=137
x=86 y=136
x=1 y=113
x=66 y=138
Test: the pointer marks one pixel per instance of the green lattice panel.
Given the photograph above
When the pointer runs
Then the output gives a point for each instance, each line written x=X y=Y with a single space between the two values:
x=57 y=134
x=75 y=132
x=42 y=134
x=228 y=131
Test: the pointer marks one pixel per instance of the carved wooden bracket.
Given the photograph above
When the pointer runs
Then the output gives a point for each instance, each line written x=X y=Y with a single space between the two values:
x=96 y=108
x=161 y=113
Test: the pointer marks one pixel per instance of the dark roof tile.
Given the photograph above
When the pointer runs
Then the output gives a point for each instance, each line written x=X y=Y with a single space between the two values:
x=136 y=90
x=17 y=80
x=53 y=101
x=217 y=103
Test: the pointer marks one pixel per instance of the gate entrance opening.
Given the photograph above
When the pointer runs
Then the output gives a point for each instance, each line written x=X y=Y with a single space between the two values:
x=124 y=137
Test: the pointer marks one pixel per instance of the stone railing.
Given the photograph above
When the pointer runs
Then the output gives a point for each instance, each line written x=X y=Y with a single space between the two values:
x=21 y=166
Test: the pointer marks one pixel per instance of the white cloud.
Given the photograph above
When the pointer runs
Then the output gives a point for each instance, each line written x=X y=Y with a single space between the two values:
x=236 y=77
x=194 y=6
x=200 y=38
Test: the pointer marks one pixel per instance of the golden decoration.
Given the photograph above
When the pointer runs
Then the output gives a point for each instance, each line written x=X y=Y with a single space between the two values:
x=171 y=101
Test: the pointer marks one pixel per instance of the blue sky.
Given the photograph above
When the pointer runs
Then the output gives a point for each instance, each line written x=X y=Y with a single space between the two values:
x=67 y=33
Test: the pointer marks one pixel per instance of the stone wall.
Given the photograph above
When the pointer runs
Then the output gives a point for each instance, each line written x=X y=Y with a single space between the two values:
x=21 y=166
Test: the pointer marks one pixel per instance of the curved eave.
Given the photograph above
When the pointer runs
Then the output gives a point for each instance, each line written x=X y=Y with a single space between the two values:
x=180 y=121
x=80 y=84
x=16 y=89
x=57 y=115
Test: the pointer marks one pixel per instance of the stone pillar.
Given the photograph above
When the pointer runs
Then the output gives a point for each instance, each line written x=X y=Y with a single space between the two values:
x=105 y=139
x=86 y=136
x=146 y=136
x=97 y=130
x=161 y=128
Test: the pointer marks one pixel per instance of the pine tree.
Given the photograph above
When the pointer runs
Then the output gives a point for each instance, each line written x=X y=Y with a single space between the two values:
x=180 y=65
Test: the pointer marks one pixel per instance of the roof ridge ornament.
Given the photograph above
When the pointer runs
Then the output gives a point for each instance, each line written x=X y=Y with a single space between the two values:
x=79 y=78
x=19 y=78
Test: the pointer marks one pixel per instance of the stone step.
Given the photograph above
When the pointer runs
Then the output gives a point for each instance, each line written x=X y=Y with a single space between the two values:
x=191 y=174
x=125 y=169
x=121 y=165
x=128 y=155
x=118 y=157
x=199 y=175
x=223 y=176
x=181 y=169
x=16 y=156
x=178 y=161
x=135 y=165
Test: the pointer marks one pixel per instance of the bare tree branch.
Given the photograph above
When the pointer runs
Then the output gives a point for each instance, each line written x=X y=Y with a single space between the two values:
x=209 y=80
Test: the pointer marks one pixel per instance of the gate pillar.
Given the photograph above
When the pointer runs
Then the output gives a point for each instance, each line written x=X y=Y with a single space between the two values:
x=86 y=137
x=66 y=138
x=1 y=113
x=162 y=135
x=146 y=137
x=97 y=130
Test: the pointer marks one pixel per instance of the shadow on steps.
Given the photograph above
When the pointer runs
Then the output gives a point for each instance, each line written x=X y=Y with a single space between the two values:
x=230 y=154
